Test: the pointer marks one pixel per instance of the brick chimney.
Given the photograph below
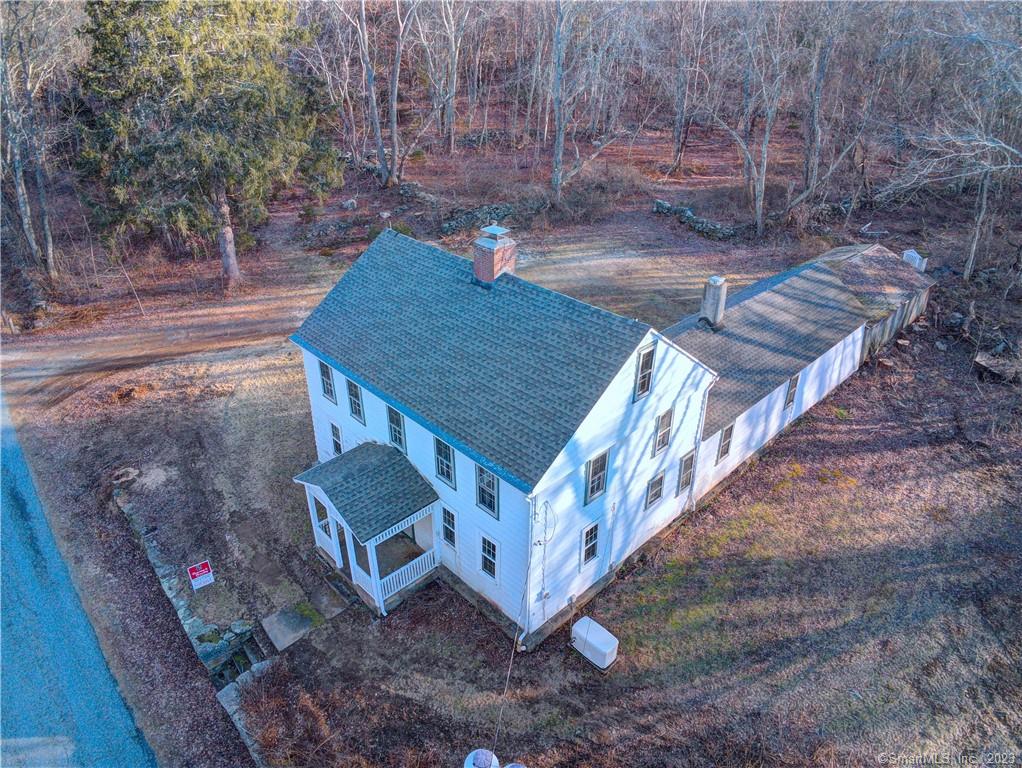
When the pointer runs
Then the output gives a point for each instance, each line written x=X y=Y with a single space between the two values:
x=714 y=299
x=493 y=254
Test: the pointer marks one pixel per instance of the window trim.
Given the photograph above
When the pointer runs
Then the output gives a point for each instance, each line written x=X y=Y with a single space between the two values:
x=792 y=393
x=326 y=376
x=495 y=512
x=453 y=480
x=444 y=512
x=722 y=452
x=483 y=557
x=335 y=438
x=658 y=431
x=589 y=496
x=595 y=544
x=403 y=444
x=661 y=475
x=688 y=457
x=355 y=396
x=651 y=350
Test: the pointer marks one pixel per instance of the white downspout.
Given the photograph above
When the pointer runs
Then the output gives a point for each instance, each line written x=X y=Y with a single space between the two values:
x=527 y=598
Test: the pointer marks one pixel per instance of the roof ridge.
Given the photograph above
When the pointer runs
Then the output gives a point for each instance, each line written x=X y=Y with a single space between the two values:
x=530 y=283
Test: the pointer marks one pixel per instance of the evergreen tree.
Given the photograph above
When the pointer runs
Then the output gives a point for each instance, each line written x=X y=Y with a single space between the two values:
x=195 y=114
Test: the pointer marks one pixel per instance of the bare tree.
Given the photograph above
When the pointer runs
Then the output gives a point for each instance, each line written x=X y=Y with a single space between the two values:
x=37 y=44
x=764 y=50
x=578 y=52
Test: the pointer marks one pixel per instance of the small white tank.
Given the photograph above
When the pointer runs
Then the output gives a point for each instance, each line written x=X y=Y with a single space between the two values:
x=481 y=758
x=594 y=642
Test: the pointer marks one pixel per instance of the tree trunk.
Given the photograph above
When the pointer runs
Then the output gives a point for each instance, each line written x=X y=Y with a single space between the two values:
x=452 y=92
x=811 y=166
x=747 y=120
x=225 y=238
x=370 y=79
x=33 y=142
x=395 y=139
x=24 y=207
x=764 y=154
x=557 y=163
x=680 y=112
x=981 y=212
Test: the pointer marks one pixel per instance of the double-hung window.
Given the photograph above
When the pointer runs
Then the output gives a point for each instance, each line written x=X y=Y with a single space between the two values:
x=590 y=543
x=685 y=472
x=335 y=438
x=489 y=558
x=396 y=422
x=450 y=535
x=596 y=476
x=789 y=399
x=655 y=490
x=487 y=491
x=326 y=379
x=644 y=373
x=663 y=430
x=444 y=461
x=725 y=442
x=355 y=402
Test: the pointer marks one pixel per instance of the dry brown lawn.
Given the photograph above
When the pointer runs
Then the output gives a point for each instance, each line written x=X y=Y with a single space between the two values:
x=857 y=590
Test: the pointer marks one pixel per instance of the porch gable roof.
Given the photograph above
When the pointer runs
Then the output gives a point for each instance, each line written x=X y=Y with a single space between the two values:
x=372 y=487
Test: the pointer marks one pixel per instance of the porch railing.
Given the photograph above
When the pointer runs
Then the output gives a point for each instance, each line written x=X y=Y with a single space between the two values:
x=322 y=531
x=408 y=573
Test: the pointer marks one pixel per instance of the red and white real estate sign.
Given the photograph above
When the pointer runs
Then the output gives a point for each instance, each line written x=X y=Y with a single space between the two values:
x=201 y=574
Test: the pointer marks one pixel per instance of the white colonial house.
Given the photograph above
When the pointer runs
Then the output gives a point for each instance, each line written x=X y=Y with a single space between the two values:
x=523 y=443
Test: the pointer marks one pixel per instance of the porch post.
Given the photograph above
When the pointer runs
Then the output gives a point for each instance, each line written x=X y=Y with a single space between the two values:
x=350 y=547
x=338 y=557
x=374 y=572
x=312 y=510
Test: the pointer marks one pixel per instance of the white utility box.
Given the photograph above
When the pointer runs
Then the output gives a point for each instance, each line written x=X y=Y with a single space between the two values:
x=594 y=642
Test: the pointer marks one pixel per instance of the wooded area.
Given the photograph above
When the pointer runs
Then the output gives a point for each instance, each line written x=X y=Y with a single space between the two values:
x=178 y=122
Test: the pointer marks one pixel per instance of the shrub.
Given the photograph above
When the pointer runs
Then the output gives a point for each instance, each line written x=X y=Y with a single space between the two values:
x=244 y=240
x=309 y=213
x=290 y=725
x=397 y=226
x=594 y=193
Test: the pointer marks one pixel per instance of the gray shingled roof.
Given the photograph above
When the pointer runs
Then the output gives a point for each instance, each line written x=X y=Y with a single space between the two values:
x=505 y=373
x=771 y=330
x=880 y=279
x=373 y=487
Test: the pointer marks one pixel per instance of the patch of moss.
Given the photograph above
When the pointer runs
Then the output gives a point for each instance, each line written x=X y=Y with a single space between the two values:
x=212 y=637
x=307 y=611
x=836 y=478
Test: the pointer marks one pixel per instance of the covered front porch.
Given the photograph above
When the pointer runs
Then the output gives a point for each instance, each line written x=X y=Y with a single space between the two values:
x=372 y=515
